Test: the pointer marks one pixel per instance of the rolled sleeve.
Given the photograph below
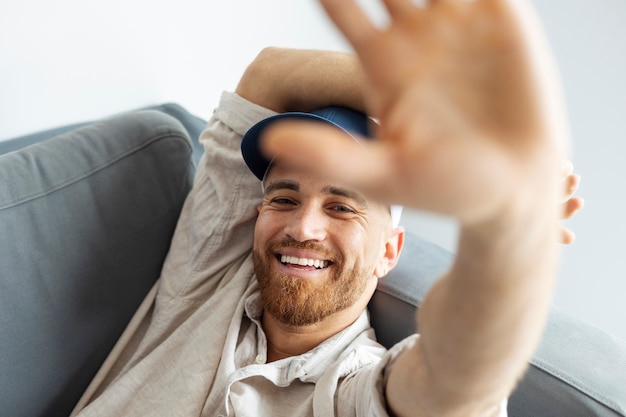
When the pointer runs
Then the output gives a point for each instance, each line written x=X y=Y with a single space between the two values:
x=217 y=221
x=363 y=394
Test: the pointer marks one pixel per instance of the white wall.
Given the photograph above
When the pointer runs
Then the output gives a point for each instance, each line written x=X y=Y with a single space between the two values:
x=73 y=60
x=70 y=60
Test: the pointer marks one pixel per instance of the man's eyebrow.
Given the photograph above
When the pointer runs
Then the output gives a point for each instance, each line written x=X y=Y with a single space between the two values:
x=344 y=192
x=282 y=185
x=328 y=190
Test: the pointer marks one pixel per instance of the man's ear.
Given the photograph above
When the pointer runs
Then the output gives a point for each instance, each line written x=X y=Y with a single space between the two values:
x=392 y=249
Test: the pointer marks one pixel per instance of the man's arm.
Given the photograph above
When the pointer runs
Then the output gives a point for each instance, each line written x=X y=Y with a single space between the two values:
x=303 y=80
x=473 y=126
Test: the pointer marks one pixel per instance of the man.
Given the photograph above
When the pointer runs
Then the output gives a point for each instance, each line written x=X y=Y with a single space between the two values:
x=475 y=132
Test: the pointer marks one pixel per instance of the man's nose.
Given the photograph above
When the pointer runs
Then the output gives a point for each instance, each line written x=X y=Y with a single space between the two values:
x=309 y=223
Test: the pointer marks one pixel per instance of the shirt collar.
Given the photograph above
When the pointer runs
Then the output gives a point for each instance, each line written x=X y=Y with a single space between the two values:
x=356 y=341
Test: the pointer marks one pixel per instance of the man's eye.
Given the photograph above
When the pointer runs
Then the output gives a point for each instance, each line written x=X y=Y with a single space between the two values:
x=282 y=200
x=339 y=208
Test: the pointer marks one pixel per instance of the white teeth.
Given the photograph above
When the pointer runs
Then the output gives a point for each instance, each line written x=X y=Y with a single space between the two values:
x=302 y=261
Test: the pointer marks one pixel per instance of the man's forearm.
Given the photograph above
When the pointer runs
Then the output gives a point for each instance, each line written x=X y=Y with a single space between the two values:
x=481 y=322
x=303 y=80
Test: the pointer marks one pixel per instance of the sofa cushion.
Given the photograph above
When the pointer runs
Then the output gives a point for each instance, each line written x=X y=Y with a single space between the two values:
x=86 y=220
x=192 y=124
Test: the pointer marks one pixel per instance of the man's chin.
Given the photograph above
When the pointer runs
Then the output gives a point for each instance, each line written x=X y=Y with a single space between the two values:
x=298 y=298
x=296 y=302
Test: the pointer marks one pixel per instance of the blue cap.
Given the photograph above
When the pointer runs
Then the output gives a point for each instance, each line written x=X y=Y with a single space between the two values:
x=348 y=120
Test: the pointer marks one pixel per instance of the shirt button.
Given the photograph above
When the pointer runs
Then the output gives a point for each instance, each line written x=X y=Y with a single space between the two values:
x=260 y=359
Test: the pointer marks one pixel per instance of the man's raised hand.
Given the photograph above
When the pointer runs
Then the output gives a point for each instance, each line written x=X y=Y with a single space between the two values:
x=468 y=101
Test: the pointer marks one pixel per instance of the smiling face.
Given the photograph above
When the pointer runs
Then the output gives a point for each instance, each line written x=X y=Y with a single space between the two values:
x=319 y=248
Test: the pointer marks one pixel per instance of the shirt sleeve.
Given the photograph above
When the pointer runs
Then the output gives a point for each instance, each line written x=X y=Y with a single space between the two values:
x=217 y=221
x=363 y=394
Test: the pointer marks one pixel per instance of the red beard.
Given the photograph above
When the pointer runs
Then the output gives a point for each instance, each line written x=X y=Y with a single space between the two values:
x=302 y=302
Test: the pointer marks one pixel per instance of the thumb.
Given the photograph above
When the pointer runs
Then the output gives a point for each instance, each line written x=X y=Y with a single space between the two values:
x=329 y=152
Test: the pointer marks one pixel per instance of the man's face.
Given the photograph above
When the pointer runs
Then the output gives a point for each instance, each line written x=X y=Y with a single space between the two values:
x=318 y=247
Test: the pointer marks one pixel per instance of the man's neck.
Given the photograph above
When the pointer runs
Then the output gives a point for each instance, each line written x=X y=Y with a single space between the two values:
x=285 y=341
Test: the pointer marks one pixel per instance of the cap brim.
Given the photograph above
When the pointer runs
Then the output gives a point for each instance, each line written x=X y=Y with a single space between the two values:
x=344 y=119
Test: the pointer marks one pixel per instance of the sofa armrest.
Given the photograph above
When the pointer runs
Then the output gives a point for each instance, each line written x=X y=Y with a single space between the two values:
x=577 y=371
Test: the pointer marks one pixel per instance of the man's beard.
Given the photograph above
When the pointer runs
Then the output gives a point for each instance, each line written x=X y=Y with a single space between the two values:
x=302 y=302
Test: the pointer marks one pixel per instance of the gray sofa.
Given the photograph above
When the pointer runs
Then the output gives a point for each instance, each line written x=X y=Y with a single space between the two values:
x=86 y=221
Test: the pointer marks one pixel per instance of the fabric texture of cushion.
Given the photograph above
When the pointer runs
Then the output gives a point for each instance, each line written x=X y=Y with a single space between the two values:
x=86 y=220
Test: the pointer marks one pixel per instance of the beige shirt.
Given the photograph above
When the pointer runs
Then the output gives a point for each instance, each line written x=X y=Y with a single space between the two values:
x=195 y=346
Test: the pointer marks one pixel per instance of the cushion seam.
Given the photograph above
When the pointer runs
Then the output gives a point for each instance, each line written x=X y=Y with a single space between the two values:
x=399 y=295
x=95 y=169
x=543 y=366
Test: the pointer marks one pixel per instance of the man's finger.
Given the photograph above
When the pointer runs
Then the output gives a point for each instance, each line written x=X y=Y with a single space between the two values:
x=572 y=206
x=351 y=20
x=571 y=185
x=399 y=8
x=567 y=236
x=567 y=168
x=326 y=151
